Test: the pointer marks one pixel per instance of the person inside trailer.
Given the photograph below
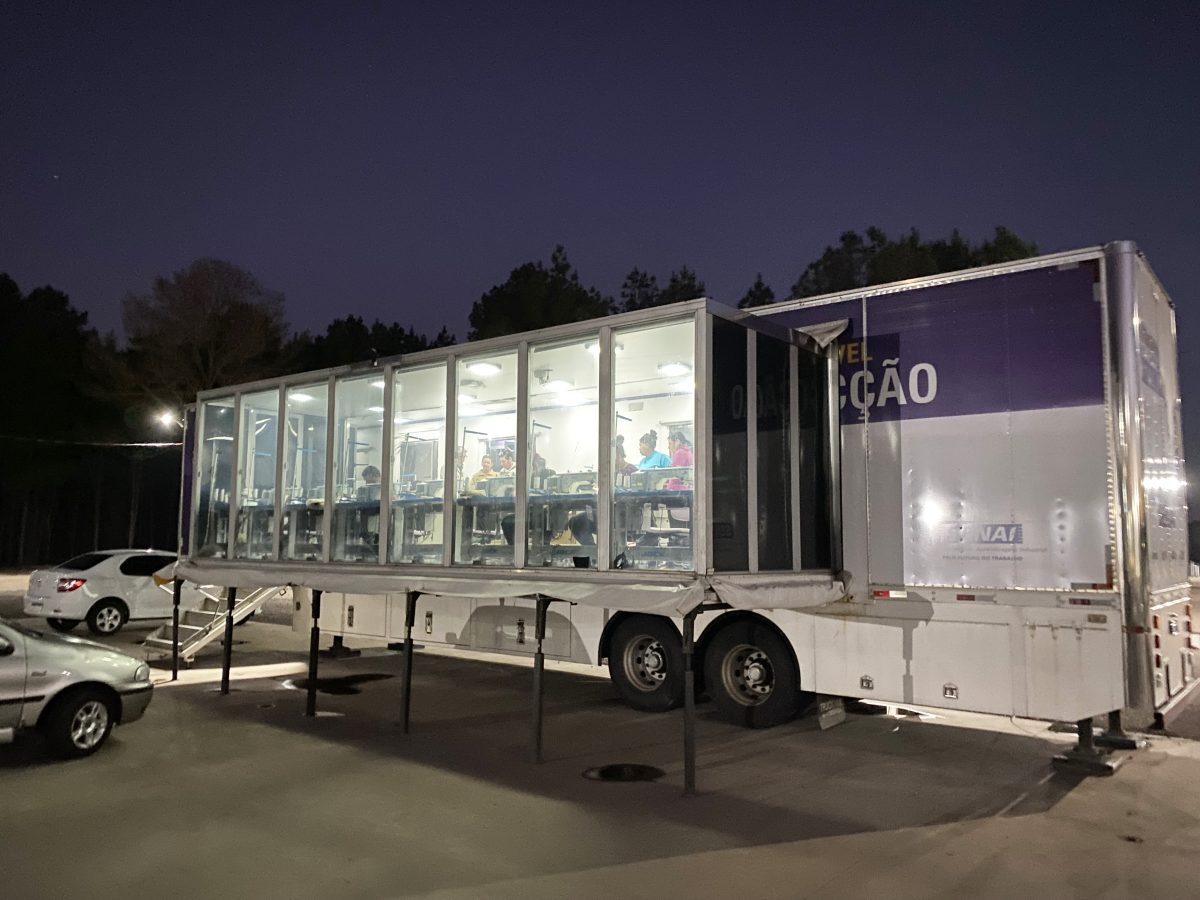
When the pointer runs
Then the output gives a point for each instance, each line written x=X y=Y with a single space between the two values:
x=651 y=458
x=487 y=470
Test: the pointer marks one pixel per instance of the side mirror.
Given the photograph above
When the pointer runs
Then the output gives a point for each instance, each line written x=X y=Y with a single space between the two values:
x=6 y=649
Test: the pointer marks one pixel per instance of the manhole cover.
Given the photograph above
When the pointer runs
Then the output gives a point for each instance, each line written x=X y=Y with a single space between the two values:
x=624 y=772
x=344 y=684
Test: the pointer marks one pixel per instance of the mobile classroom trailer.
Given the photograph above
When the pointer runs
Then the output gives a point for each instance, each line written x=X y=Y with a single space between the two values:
x=962 y=491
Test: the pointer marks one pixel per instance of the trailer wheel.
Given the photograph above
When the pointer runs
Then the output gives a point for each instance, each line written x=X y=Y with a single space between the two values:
x=751 y=676
x=645 y=662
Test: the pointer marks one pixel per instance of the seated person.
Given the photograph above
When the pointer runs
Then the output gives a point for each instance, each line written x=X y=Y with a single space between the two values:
x=681 y=457
x=651 y=458
x=486 y=470
x=369 y=489
x=508 y=464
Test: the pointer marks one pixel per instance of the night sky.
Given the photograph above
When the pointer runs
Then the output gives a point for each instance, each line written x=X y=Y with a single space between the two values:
x=396 y=160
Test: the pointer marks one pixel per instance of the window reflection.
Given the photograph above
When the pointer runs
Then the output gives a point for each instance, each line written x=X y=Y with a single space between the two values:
x=304 y=471
x=653 y=454
x=564 y=430
x=418 y=461
x=215 y=470
x=486 y=448
x=256 y=475
x=357 y=476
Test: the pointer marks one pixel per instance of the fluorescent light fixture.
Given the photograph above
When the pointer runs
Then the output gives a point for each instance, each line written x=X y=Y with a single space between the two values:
x=674 y=369
x=485 y=369
x=593 y=347
x=560 y=385
x=377 y=384
x=686 y=386
x=300 y=397
x=467 y=398
x=375 y=409
x=399 y=420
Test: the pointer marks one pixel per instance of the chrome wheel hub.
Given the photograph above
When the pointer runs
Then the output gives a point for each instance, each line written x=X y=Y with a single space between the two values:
x=645 y=663
x=89 y=725
x=747 y=675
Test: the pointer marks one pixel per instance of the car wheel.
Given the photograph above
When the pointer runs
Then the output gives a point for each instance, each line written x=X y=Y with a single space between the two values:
x=645 y=662
x=107 y=617
x=63 y=625
x=79 y=722
x=751 y=675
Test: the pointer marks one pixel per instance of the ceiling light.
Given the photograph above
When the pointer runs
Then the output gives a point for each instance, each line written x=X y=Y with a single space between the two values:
x=593 y=347
x=377 y=384
x=467 y=398
x=686 y=386
x=374 y=409
x=299 y=397
x=484 y=369
x=674 y=369
x=559 y=385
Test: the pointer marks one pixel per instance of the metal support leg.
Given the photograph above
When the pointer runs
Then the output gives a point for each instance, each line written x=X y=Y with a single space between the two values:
x=176 y=589
x=230 y=602
x=410 y=618
x=1115 y=737
x=689 y=704
x=1085 y=758
x=314 y=640
x=539 y=669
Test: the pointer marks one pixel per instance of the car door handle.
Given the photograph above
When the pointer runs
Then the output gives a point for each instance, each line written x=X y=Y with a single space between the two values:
x=40 y=673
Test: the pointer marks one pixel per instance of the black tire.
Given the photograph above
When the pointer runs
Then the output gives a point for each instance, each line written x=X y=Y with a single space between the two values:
x=107 y=616
x=751 y=675
x=78 y=722
x=645 y=662
x=63 y=625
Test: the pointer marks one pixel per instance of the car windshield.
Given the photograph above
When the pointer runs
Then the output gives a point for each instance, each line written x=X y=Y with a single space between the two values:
x=83 y=561
x=23 y=629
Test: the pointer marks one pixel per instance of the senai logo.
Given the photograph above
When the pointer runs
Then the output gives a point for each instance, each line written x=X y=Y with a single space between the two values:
x=998 y=533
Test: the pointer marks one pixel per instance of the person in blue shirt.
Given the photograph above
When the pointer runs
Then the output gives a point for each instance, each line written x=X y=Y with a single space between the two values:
x=651 y=458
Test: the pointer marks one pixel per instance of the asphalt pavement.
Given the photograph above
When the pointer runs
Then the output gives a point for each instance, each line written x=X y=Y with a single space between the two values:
x=244 y=796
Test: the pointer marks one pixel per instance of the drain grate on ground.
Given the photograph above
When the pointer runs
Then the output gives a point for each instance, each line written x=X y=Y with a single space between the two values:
x=343 y=684
x=624 y=772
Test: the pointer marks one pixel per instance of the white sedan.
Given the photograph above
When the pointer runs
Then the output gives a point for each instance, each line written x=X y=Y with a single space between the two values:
x=106 y=589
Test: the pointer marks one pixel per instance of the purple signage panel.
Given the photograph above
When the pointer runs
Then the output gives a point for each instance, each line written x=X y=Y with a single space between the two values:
x=1026 y=340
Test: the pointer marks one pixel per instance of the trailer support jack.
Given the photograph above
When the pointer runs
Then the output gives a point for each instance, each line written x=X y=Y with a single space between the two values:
x=410 y=618
x=227 y=661
x=1085 y=758
x=689 y=703
x=314 y=640
x=539 y=669
x=1116 y=738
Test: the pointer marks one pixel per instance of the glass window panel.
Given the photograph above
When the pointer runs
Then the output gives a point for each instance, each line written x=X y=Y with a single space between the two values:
x=418 y=465
x=304 y=471
x=357 y=457
x=564 y=437
x=652 y=454
x=774 y=458
x=729 y=470
x=215 y=470
x=486 y=448
x=256 y=475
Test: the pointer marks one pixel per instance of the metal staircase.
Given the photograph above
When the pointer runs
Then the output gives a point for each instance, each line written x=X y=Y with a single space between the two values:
x=201 y=626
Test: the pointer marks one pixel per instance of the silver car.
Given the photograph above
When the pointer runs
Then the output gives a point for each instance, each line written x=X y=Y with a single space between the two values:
x=72 y=690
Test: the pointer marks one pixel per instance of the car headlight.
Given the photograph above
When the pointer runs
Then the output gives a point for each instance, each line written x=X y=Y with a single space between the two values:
x=141 y=673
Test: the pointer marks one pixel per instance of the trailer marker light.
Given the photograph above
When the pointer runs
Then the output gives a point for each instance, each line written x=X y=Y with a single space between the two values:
x=1157 y=661
x=1157 y=642
x=965 y=597
x=889 y=595
x=1080 y=601
x=66 y=585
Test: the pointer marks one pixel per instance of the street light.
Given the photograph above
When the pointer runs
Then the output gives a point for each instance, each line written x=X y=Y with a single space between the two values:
x=166 y=419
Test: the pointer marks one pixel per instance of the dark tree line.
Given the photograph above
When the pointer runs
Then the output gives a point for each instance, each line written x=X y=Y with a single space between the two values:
x=78 y=469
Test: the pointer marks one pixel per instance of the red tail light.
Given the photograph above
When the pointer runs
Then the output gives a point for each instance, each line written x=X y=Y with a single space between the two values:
x=66 y=585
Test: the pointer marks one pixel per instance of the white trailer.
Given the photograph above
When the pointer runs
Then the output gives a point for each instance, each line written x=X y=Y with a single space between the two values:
x=963 y=491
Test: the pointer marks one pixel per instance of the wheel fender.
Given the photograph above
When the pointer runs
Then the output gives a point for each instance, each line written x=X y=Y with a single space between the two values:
x=117 y=600
x=65 y=695
x=611 y=625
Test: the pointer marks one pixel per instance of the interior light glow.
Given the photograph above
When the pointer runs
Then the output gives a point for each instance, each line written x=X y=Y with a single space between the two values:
x=560 y=385
x=686 y=386
x=467 y=398
x=166 y=419
x=299 y=397
x=674 y=369
x=377 y=384
x=484 y=369
x=593 y=347
x=374 y=409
